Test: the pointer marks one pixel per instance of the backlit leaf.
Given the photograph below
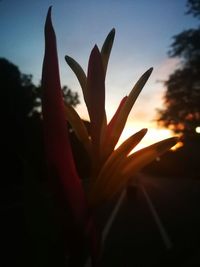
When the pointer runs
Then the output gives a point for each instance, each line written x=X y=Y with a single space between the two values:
x=96 y=97
x=78 y=126
x=123 y=113
x=106 y=49
x=112 y=164
x=80 y=74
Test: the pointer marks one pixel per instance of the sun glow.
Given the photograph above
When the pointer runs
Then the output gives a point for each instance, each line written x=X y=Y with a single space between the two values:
x=153 y=135
x=177 y=146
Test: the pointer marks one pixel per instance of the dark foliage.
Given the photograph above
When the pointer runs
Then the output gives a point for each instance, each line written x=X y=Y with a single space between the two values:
x=182 y=97
x=23 y=184
x=70 y=97
x=194 y=7
x=181 y=112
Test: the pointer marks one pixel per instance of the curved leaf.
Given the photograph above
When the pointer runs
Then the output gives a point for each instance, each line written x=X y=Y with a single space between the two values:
x=109 y=131
x=106 y=49
x=96 y=97
x=125 y=169
x=121 y=119
x=78 y=126
x=144 y=156
x=112 y=164
x=80 y=74
x=136 y=162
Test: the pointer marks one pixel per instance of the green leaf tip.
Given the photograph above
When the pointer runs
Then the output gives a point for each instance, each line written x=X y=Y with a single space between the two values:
x=69 y=60
x=147 y=74
x=150 y=70
x=109 y=40
x=80 y=74
x=106 y=48
x=111 y=35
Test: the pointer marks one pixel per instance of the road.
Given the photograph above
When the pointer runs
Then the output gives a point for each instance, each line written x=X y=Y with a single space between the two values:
x=136 y=238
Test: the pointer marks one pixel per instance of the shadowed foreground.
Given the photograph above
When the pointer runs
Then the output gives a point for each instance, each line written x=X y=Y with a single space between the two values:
x=135 y=239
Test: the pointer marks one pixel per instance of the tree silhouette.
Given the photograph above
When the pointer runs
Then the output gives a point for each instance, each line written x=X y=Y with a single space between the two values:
x=23 y=172
x=21 y=129
x=182 y=97
x=17 y=92
x=70 y=97
x=193 y=7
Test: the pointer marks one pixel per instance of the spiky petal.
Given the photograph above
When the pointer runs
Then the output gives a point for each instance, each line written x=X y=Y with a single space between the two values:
x=96 y=96
x=61 y=168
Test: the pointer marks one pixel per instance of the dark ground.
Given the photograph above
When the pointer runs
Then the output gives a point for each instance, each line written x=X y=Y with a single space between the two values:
x=135 y=239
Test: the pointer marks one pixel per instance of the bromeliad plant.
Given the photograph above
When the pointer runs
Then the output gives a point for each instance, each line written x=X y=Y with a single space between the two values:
x=111 y=169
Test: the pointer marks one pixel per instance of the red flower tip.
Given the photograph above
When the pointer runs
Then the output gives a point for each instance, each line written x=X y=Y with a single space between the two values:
x=48 y=23
x=95 y=51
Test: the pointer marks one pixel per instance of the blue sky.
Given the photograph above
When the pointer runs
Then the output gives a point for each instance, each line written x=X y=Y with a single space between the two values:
x=144 y=31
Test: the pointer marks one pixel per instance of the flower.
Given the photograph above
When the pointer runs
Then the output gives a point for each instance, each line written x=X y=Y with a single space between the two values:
x=61 y=167
x=110 y=169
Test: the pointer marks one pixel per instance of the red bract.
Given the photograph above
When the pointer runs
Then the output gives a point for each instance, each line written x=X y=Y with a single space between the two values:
x=96 y=96
x=61 y=168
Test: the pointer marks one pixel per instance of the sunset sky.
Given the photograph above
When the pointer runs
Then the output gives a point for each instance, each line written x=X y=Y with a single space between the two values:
x=144 y=31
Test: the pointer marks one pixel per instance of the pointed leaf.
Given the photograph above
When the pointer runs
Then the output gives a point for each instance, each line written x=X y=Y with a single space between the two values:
x=78 y=126
x=144 y=156
x=106 y=49
x=119 y=154
x=137 y=161
x=120 y=122
x=112 y=164
x=123 y=150
x=96 y=96
x=126 y=169
x=109 y=130
x=80 y=74
x=60 y=162
x=115 y=117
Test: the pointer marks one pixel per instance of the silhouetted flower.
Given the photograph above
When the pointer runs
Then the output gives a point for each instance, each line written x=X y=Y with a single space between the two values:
x=110 y=169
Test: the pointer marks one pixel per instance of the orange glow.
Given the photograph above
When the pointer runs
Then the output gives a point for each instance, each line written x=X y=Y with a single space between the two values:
x=153 y=135
x=177 y=146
